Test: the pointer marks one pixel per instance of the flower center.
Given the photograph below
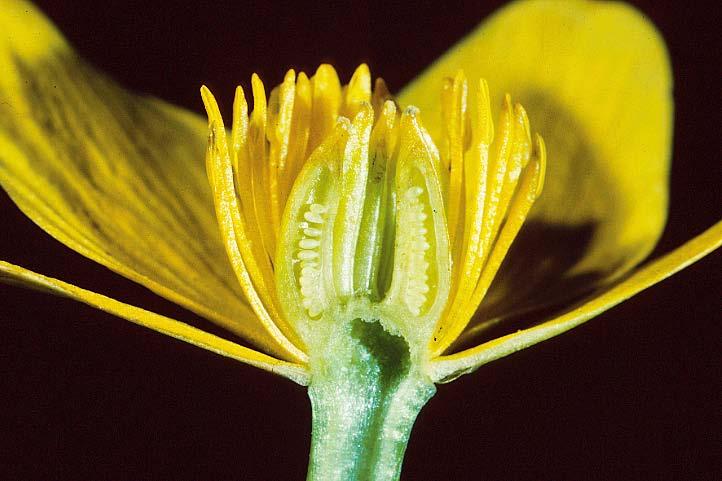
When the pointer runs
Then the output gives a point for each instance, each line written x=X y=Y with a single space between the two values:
x=335 y=205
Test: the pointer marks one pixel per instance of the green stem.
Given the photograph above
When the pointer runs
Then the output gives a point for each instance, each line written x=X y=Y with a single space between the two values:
x=365 y=394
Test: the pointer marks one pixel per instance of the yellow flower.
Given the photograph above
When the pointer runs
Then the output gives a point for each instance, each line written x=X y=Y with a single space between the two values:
x=120 y=180
x=363 y=191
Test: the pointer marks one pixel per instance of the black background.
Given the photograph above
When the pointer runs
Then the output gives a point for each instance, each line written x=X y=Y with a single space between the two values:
x=633 y=394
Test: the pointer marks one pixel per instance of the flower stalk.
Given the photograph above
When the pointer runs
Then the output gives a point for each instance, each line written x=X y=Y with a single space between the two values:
x=365 y=394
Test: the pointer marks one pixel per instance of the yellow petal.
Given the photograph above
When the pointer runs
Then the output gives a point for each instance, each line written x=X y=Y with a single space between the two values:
x=447 y=368
x=12 y=274
x=596 y=83
x=116 y=177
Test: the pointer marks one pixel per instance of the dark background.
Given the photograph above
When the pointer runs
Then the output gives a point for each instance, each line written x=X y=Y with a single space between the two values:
x=633 y=394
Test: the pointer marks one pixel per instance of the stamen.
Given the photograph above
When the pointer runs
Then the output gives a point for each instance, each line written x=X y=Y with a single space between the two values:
x=298 y=135
x=242 y=165
x=259 y=166
x=454 y=115
x=520 y=206
x=501 y=185
x=233 y=229
x=469 y=257
x=380 y=96
x=519 y=154
x=280 y=112
x=357 y=92
x=497 y=175
x=325 y=105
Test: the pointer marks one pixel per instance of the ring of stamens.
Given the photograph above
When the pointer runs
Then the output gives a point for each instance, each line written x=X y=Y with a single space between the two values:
x=423 y=256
